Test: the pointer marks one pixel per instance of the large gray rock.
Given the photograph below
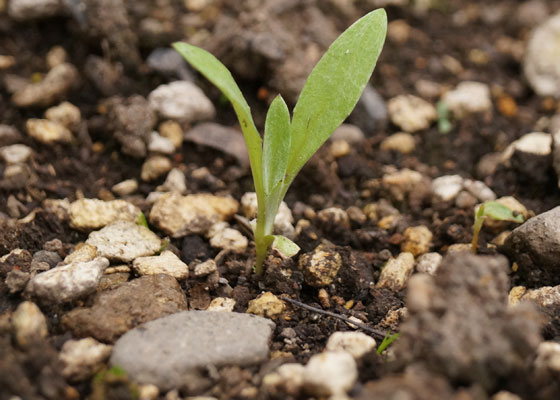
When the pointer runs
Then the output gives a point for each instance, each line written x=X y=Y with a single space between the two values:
x=116 y=311
x=535 y=246
x=163 y=352
x=67 y=282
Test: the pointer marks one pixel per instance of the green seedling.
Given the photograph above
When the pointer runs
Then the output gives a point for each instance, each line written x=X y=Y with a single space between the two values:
x=142 y=221
x=443 y=118
x=494 y=210
x=387 y=341
x=330 y=93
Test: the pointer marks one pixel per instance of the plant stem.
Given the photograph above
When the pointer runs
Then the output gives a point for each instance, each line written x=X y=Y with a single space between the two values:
x=477 y=226
x=261 y=245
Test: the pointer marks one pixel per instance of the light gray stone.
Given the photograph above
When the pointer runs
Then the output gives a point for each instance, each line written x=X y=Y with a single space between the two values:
x=411 y=113
x=429 y=263
x=355 y=343
x=181 y=100
x=205 y=268
x=68 y=282
x=83 y=358
x=125 y=188
x=89 y=214
x=23 y=10
x=396 y=272
x=330 y=373
x=47 y=132
x=124 y=241
x=540 y=65
x=164 y=351
x=179 y=216
x=447 y=187
x=175 y=182
x=535 y=246
x=29 y=324
x=166 y=263
x=467 y=98
x=160 y=144
x=15 y=154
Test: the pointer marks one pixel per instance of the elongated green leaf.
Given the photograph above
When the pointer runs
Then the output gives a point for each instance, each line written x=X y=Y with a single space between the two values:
x=334 y=87
x=499 y=212
x=219 y=75
x=276 y=146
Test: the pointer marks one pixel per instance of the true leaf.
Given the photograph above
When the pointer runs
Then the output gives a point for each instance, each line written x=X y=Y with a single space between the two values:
x=276 y=146
x=219 y=75
x=334 y=87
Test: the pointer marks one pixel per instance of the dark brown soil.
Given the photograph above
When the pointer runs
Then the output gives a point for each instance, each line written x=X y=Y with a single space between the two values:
x=92 y=165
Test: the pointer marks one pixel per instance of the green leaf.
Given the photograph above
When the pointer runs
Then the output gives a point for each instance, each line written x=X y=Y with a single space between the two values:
x=387 y=341
x=276 y=147
x=219 y=75
x=334 y=87
x=499 y=212
x=141 y=220
x=285 y=246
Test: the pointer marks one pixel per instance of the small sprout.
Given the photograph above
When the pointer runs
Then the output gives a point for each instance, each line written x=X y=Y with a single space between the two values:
x=329 y=95
x=494 y=210
x=141 y=220
x=387 y=341
x=443 y=118
x=164 y=244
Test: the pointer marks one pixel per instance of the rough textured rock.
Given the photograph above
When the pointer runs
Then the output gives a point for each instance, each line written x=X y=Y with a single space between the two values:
x=90 y=214
x=166 y=263
x=286 y=380
x=540 y=65
x=429 y=263
x=116 y=311
x=396 y=272
x=48 y=132
x=163 y=352
x=468 y=97
x=355 y=343
x=330 y=373
x=54 y=87
x=181 y=100
x=29 y=324
x=411 y=113
x=402 y=142
x=465 y=306
x=124 y=241
x=65 y=114
x=266 y=305
x=179 y=216
x=15 y=154
x=23 y=10
x=67 y=282
x=547 y=300
x=535 y=246
x=82 y=358
x=154 y=167
x=320 y=266
x=417 y=240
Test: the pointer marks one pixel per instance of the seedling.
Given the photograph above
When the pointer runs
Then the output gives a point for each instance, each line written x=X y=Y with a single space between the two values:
x=443 y=118
x=494 y=210
x=387 y=341
x=330 y=93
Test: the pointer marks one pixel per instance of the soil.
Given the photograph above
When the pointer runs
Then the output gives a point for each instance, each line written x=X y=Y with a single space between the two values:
x=91 y=165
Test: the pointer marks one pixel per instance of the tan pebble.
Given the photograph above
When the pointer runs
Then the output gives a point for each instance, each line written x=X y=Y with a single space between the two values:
x=266 y=305
x=417 y=240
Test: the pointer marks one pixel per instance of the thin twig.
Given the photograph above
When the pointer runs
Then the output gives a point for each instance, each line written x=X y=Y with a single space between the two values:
x=375 y=332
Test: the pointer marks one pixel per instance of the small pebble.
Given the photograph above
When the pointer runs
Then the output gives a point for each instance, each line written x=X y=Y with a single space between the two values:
x=172 y=130
x=221 y=304
x=340 y=148
x=89 y=214
x=330 y=373
x=125 y=188
x=429 y=263
x=447 y=187
x=287 y=379
x=396 y=272
x=468 y=97
x=351 y=134
x=82 y=358
x=65 y=114
x=401 y=142
x=15 y=154
x=182 y=101
x=355 y=343
x=417 y=240
x=48 y=132
x=175 y=182
x=82 y=253
x=205 y=268
x=154 y=167
x=411 y=113
x=266 y=305
x=29 y=324
x=166 y=263
x=320 y=266
x=160 y=144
